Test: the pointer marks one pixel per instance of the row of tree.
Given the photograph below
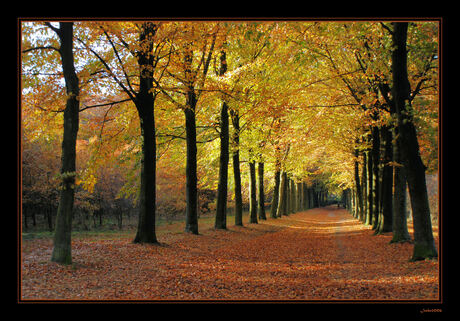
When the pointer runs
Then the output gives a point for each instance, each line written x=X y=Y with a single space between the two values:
x=300 y=99
x=391 y=155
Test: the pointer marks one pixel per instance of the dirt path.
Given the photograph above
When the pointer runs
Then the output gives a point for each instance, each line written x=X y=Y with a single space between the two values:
x=320 y=254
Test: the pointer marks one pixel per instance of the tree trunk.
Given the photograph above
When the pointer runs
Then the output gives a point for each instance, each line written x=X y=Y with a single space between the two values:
x=306 y=205
x=62 y=252
x=386 y=222
x=261 y=200
x=375 y=175
x=293 y=196
x=282 y=198
x=288 y=195
x=146 y=224
x=354 y=203
x=359 y=198
x=253 y=193
x=276 y=190
x=300 y=200
x=314 y=194
x=191 y=194
x=221 y=208
x=424 y=246
x=236 y=168
x=364 y=188
x=144 y=102
x=370 y=199
x=400 y=232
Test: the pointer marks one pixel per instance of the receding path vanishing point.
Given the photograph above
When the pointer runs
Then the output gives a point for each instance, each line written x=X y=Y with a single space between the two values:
x=319 y=254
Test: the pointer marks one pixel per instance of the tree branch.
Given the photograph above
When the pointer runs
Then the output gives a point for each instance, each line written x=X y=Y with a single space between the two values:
x=107 y=67
x=119 y=59
x=387 y=28
x=56 y=30
x=41 y=48
x=105 y=104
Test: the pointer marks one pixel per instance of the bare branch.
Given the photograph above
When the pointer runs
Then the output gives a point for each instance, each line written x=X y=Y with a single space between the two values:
x=105 y=104
x=41 y=48
x=387 y=28
x=107 y=67
x=119 y=59
x=56 y=30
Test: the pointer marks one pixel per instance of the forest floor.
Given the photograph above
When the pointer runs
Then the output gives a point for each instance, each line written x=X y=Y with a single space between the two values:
x=320 y=254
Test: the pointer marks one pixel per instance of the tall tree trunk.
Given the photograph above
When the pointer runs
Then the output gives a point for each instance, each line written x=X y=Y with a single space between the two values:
x=364 y=188
x=424 y=246
x=191 y=190
x=144 y=102
x=314 y=194
x=261 y=199
x=359 y=200
x=293 y=197
x=253 y=192
x=354 y=203
x=386 y=222
x=62 y=252
x=305 y=196
x=370 y=199
x=300 y=194
x=221 y=206
x=288 y=195
x=282 y=199
x=375 y=175
x=400 y=232
x=236 y=168
x=309 y=200
x=146 y=224
x=276 y=189
x=191 y=193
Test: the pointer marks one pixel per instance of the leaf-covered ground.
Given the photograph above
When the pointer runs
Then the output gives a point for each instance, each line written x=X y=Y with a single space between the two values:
x=320 y=254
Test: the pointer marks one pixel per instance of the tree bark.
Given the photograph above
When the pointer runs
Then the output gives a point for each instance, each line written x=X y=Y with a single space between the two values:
x=359 y=200
x=261 y=199
x=299 y=194
x=364 y=188
x=144 y=102
x=282 y=198
x=293 y=196
x=221 y=207
x=276 y=189
x=147 y=195
x=375 y=175
x=424 y=246
x=253 y=193
x=400 y=231
x=236 y=168
x=308 y=197
x=288 y=195
x=191 y=192
x=386 y=217
x=62 y=252
x=370 y=199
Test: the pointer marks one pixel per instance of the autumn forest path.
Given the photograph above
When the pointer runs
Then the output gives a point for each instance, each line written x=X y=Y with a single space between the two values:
x=319 y=254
